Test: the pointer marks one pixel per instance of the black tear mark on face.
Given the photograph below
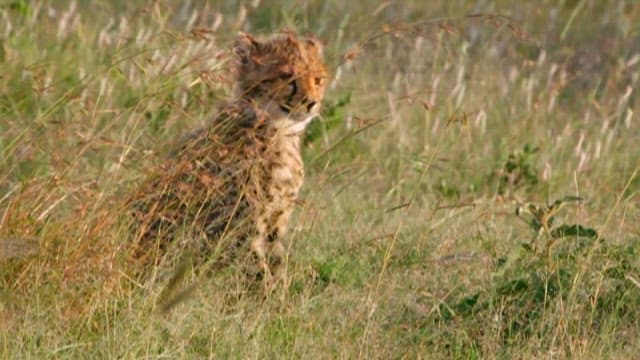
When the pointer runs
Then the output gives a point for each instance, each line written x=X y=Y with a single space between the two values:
x=288 y=105
x=287 y=77
x=294 y=91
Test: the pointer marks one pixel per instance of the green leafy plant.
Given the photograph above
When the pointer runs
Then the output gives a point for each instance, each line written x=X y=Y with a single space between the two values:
x=526 y=285
x=541 y=220
x=519 y=170
x=333 y=115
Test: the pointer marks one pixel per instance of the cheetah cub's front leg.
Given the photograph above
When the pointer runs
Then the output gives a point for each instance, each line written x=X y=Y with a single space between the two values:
x=284 y=179
x=271 y=256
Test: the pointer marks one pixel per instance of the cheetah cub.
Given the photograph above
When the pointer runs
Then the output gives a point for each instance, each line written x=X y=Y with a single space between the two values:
x=232 y=186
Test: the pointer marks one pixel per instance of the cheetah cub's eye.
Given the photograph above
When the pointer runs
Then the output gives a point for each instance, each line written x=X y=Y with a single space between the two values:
x=318 y=81
x=286 y=75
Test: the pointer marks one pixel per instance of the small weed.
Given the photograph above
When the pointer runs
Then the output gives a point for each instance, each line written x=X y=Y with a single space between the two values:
x=519 y=170
x=528 y=289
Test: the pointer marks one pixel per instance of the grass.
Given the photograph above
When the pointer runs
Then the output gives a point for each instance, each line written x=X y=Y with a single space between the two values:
x=438 y=126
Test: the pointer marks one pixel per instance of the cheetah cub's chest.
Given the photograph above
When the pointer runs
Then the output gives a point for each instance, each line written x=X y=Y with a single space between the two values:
x=286 y=175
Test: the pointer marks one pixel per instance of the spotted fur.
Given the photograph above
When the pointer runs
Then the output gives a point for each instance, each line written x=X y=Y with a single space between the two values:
x=232 y=186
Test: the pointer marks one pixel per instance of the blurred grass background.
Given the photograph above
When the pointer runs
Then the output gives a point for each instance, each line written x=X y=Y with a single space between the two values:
x=441 y=120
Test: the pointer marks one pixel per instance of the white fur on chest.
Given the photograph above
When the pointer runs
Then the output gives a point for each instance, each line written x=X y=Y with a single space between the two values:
x=298 y=126
x=288 y=123
x=287 y=169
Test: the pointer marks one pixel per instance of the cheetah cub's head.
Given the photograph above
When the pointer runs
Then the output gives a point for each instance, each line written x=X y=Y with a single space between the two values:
x=284 y=75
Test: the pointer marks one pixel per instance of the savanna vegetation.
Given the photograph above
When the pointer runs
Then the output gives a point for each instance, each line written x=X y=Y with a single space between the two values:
x=472 y=186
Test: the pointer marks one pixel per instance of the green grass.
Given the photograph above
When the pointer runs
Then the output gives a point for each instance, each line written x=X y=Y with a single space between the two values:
x=437 y=127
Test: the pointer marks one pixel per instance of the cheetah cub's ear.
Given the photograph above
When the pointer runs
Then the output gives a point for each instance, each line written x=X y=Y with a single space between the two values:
x=315 y=43
x=245 y=46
